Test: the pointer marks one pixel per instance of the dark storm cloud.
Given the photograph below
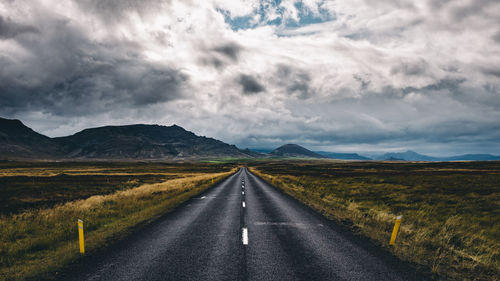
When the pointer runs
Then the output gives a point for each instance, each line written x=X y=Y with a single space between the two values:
x=295 y=82
x=9 y=29
x=213 y=61
x=230 y=50
x=492 y=71
x=473 y=8
x=221 y=55
x=95 y=89
x=68 y=74
x=250 y=85
x=451 y=85
x=496 y=37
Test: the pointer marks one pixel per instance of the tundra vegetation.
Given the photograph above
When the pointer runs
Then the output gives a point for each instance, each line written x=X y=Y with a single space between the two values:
x=451 y=210
x=41 y=202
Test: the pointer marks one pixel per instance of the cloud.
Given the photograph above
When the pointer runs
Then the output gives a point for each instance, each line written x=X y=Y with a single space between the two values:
x=230 y=50
x=295 y=82
x=492 y=71
x=9 y=29
x=345 y=74
x=221 y=55
x=64 y=72
x=250 y=85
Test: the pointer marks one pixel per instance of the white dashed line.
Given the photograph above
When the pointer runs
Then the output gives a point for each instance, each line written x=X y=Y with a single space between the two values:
x=203 y=197
x=244 y=236
x=243 y=204
x=243 y=193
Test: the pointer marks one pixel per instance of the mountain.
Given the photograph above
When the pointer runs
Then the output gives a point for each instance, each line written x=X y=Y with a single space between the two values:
x=18 y=141
x=408 y=156
x=472 y=157
x=293 y=150
x=343 y=156
x=413 y=156
x=111 y=142
x=254 y=153
x=262 y=150
x=143 y=142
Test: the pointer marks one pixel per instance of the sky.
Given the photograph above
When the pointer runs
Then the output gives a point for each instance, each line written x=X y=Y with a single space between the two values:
x=344 y=75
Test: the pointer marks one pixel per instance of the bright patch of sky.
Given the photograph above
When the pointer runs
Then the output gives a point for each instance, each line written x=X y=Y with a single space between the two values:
x=283 y=14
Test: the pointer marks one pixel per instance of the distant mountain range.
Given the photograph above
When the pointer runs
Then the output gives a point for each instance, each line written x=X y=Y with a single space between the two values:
x=343 y=156
x=407 y=156
x=414 y=156
x=149 y=142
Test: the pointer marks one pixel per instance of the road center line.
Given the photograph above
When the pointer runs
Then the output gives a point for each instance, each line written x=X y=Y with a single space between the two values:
x=243 y=193
x=244 y=236
x=243 y=204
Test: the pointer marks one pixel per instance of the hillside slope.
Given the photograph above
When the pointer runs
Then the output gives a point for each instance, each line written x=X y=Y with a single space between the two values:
x=294 y=150
x=143 y=142
x=18 y=141
x=135 y=142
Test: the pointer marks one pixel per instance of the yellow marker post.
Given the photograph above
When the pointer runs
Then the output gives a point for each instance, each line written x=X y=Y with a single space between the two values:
x=80 y=235
x=395 y=230
x=212 y=180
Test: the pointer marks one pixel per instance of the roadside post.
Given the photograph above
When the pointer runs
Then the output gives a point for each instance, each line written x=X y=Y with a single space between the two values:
x=395 y=230
x=80 y=236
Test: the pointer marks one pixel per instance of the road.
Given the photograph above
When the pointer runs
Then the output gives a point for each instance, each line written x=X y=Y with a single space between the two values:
x=242 y=229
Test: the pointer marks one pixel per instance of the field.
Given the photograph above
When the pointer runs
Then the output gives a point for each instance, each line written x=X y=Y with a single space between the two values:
x=41 y=202
x=451 y=211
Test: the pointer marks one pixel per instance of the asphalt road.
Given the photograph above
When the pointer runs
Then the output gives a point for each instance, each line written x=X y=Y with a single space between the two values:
x=242 y=229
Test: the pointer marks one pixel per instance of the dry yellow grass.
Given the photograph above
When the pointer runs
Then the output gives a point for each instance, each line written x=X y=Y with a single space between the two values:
x=36 y=243
x=453 y=245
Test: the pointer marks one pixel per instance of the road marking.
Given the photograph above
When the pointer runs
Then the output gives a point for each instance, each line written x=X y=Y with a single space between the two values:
x=207 y=197
x=287 y=224
x=244 y=236
x=243 y=193
x=243 y=204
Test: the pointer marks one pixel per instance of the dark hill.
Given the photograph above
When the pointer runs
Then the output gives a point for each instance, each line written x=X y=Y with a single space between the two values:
x=144 y=142
x=111 y=142
x=407 y=156
x=18 y=141
x=293 y=150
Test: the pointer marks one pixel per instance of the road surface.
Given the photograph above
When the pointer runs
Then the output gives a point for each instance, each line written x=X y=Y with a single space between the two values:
x=242 y=229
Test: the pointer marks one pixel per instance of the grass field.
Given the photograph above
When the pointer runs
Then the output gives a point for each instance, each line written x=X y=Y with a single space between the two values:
x=41 y=203
x=451 y=211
